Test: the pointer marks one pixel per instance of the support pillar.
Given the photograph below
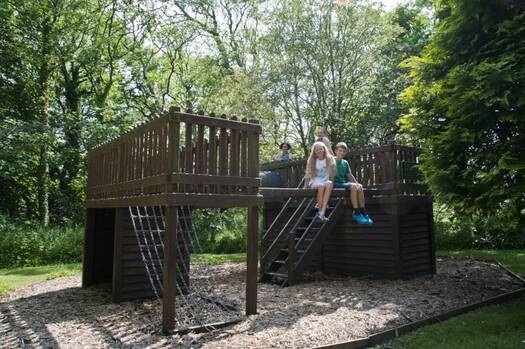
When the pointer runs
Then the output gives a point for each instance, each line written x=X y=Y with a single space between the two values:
x=251 y=260
x=169 y=273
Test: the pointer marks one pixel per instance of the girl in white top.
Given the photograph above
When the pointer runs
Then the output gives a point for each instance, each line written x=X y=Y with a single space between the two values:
x=320 y=171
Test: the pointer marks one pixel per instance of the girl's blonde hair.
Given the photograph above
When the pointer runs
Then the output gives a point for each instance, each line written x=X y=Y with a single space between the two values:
x=310 y=164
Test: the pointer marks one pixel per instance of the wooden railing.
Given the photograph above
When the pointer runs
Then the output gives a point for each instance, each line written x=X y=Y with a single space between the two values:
x=387 y=167
x=177 y=152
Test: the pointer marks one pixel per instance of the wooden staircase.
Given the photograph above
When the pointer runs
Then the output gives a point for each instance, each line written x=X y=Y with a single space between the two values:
x=298 y=242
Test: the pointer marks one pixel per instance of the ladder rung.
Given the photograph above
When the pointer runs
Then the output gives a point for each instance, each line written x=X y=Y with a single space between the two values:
x=297 y=251
x=278 y=275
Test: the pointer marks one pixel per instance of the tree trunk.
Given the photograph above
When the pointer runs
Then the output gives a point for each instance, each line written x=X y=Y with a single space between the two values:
x=43 y=160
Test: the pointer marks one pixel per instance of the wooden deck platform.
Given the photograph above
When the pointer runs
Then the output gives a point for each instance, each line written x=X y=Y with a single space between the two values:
x=400 y=243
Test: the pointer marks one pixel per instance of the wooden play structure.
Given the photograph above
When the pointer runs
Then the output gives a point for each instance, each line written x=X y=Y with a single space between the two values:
x=400 y=244
x=167 y=166
x=143 y=185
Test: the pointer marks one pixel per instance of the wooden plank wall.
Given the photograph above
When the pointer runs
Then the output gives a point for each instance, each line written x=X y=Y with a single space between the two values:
x=354 y=249
x=131 y=279
x=416 y=237
x=378 y=250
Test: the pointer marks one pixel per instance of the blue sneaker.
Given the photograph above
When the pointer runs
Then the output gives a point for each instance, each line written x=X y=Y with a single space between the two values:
x=317 y=218
x=359 y=218
x=368 y=219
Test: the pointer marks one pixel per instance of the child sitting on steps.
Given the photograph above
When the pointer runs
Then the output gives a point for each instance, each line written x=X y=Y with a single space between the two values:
x=345 y=179
x=320 y=171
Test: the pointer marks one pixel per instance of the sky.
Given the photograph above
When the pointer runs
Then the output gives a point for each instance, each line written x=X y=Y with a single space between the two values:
x=390 y=4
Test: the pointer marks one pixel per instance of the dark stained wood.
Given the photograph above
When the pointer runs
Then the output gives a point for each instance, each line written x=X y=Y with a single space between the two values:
x=170 y=269
x=212 y=158
x=203 y=200
x=251 y=260
x=223 y=155
x=376 y=250
x=188 y=155
x=173 y=150
x=121 y=214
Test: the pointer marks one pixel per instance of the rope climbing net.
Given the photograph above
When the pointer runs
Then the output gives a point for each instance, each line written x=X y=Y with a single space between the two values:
x=199 y=304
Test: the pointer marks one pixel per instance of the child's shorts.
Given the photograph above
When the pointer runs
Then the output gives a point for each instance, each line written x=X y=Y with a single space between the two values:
x=318 y=182
x=346 y=185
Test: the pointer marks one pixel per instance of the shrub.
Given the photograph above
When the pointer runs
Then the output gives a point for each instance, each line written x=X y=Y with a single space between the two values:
x=26 y=244
x=454 y=232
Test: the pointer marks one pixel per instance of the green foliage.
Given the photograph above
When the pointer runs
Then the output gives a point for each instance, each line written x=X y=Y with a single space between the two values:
x=29 y=245
x=496 y=326
x=221 y=231
x=467 y=110
x=455 y=231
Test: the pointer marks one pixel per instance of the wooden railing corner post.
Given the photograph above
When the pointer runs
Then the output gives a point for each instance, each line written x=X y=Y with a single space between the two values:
x=173 y=147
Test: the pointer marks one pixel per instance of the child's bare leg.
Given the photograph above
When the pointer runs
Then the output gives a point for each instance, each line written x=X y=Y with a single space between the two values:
x=361 y=196
x=353 y=196
x=320 y=193
x=327 y=192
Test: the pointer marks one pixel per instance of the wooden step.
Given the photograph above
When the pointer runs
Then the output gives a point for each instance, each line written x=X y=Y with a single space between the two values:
x=296 y=251
x=305 y=239
x=277 y=275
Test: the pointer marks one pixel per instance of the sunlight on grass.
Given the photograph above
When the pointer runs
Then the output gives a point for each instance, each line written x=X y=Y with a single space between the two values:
x=208 y=258
x=512 y=259
x=496 y=326
x=11 y=278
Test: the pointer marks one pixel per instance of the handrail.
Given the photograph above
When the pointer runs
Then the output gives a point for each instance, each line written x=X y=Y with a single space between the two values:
x=377 y=167
x=177 y=152
x=284 y=229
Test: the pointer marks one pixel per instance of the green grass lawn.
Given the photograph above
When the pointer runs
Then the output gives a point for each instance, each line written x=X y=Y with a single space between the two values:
x=11 y=278
x=512 y=259
x=495 y=326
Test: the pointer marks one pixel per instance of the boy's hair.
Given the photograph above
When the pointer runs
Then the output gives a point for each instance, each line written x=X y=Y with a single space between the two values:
x=341 y=145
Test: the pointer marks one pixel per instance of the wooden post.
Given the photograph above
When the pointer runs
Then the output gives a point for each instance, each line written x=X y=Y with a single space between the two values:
x=252 y=229
x=251 y=261
x=120 y=216
x=432 y=232
x=173 y=149
x=396 y=234
x=169 y=273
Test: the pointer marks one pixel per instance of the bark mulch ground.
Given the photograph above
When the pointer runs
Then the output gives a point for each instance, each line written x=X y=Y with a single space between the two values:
x=324 y=310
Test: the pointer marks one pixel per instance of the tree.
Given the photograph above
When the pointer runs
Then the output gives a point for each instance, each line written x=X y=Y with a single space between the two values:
x=467 y=108
x=322 y=60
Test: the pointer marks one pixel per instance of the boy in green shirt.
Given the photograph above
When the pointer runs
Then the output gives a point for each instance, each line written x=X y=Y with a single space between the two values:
x=345 y=179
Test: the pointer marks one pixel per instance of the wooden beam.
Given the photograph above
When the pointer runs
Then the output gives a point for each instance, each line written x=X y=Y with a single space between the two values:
x=169 y=277
x=188 y=178
x=181 y=199
x=251 y=260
